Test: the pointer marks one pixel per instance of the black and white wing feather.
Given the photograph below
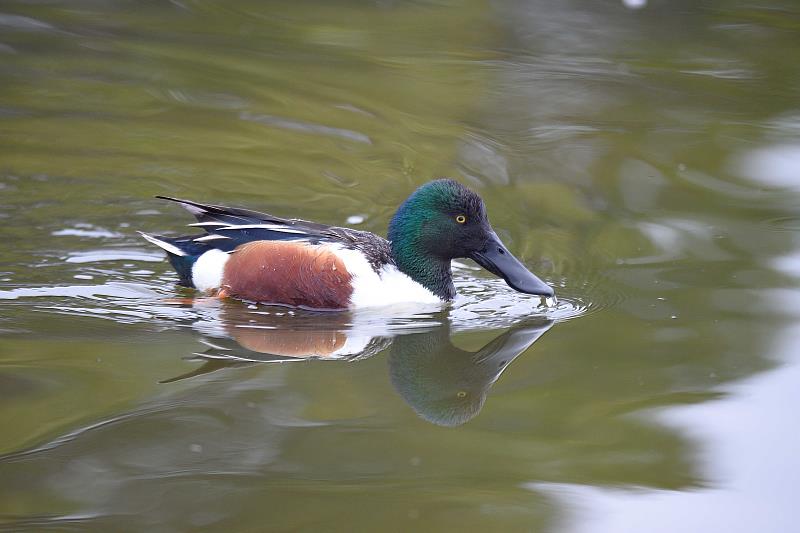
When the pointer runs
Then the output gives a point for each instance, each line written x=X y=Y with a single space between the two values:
x=229 y=227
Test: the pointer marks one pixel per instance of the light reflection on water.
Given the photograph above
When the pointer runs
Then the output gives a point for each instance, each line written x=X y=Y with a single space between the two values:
x=732 y=430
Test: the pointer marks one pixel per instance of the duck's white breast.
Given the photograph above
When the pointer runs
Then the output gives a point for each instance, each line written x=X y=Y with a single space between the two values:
x=388 y=286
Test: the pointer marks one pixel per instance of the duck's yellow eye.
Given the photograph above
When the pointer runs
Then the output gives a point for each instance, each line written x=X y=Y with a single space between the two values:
x=461 y=219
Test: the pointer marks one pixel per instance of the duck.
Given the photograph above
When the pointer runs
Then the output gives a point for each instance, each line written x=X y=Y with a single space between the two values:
x=258 y=257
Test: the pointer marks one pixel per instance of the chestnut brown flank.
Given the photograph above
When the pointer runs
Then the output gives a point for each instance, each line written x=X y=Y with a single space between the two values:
x=287 y=273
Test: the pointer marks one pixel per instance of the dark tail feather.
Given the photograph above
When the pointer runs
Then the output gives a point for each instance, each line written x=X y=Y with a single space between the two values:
x=221 y=213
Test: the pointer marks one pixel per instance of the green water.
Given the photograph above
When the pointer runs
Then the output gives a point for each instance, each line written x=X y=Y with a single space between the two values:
x=645 y=162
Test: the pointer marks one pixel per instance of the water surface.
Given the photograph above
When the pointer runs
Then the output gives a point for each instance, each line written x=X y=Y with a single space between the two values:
x=642 y=157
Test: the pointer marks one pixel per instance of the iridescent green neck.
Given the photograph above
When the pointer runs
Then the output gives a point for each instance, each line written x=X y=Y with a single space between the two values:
x=430 y=272
x=409 y=232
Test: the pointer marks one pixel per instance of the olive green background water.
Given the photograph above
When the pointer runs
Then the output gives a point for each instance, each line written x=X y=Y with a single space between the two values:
x=645 y=161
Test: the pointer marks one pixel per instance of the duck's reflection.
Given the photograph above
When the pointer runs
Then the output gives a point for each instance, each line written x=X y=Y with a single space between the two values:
x=442 y=383
x=446 y=385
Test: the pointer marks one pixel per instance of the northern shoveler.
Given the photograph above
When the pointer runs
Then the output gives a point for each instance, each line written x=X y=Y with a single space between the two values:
x=259 y=257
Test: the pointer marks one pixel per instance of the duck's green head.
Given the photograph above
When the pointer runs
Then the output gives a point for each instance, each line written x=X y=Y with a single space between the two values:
x=443 y=220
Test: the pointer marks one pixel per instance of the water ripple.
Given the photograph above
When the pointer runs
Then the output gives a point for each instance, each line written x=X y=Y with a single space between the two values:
x=307 y=127
x=790 y=223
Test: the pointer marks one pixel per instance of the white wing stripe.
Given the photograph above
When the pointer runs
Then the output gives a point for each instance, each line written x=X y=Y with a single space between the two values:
x=205 y=238
x=207 y=224
x=273 y=227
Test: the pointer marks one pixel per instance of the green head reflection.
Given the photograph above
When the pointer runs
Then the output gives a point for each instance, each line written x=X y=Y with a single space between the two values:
x=446 y=385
